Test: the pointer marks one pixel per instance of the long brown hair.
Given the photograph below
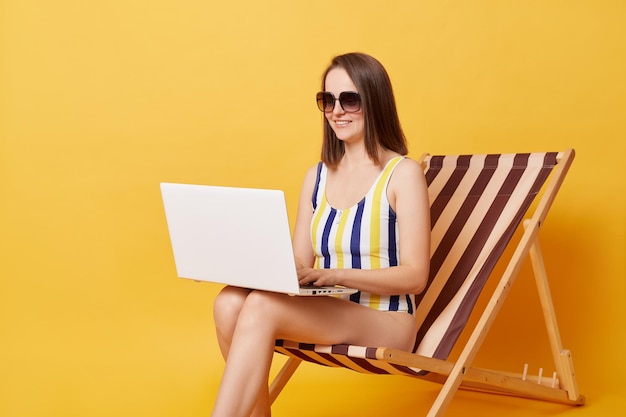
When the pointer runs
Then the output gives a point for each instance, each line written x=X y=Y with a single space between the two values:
x=382 y=125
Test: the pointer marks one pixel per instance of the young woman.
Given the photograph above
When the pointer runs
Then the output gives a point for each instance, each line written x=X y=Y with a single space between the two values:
x=362 y=222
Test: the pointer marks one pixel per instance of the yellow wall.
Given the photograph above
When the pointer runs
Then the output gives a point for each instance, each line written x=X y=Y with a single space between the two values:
x=102 y=100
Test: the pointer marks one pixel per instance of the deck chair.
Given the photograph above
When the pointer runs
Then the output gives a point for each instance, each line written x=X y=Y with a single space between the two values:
x=477 y=204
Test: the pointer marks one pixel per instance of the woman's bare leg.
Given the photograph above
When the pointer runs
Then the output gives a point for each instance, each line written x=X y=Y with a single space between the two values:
x=226 y=308
x=266 y=316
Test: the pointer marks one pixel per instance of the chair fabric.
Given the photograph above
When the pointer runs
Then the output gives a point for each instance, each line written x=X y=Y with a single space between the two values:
x=477 y=203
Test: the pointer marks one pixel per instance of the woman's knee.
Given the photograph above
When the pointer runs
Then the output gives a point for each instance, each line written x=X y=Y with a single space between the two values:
x=227 y=306
x=261 y=308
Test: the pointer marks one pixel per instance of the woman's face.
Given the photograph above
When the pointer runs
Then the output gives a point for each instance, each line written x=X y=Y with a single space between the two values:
x=348 y=126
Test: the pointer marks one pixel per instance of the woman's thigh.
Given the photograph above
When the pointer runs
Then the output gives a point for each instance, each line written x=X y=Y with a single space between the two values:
x=328 y=320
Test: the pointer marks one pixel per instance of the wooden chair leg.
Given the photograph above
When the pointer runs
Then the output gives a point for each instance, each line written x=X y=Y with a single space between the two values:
x=283 y=377
x=450 y=387
x=562 y=357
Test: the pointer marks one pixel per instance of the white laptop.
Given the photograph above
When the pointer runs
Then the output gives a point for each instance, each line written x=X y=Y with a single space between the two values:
x=234 y=236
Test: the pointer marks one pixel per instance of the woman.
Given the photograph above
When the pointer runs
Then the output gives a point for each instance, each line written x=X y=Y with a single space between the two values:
x=362 y=222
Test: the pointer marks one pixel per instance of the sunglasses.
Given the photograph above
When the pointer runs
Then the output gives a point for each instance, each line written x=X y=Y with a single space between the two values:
x=349 y=101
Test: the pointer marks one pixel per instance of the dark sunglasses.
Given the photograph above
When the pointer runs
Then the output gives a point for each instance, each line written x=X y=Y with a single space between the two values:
x=349 y=101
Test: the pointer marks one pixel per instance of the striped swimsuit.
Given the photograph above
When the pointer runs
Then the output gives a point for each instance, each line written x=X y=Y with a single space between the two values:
x=364 y=236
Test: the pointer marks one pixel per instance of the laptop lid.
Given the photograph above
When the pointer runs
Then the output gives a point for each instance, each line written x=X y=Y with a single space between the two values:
x=234 y=236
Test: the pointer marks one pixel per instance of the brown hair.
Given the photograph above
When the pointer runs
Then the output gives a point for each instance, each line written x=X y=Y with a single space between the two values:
x=382 y=125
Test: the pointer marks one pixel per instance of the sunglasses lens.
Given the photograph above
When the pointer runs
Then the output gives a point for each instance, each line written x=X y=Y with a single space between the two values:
x=350 y=101
x=325 y=101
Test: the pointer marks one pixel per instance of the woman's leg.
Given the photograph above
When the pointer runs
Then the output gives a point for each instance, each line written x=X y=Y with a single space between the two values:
x=266 y=316
x=226 y=309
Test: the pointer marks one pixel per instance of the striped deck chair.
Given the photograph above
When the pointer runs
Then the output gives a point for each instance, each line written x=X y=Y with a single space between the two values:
x=477 y=204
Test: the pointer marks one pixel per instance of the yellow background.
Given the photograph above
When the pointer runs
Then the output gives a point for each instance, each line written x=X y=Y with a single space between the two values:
x=102 y=100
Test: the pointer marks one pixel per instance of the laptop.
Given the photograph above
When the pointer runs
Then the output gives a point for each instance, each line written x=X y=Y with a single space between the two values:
x=234 y=236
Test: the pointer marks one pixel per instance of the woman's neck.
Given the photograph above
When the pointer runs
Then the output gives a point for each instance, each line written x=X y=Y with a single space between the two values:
x=356 y=155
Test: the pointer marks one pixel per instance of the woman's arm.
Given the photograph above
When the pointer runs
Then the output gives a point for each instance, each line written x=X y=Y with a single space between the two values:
x=408 y=195
x=303 y=250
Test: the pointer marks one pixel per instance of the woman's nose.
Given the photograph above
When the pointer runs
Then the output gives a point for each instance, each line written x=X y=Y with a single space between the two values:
x=337 y=108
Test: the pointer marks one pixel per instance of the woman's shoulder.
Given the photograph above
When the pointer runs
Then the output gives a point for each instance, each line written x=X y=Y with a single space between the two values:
x=311 y=174
x=408 y=172
x=409 y=166
x=313 y=170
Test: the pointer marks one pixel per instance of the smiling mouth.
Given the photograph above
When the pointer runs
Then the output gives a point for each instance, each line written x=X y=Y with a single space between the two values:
x=342 y=122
